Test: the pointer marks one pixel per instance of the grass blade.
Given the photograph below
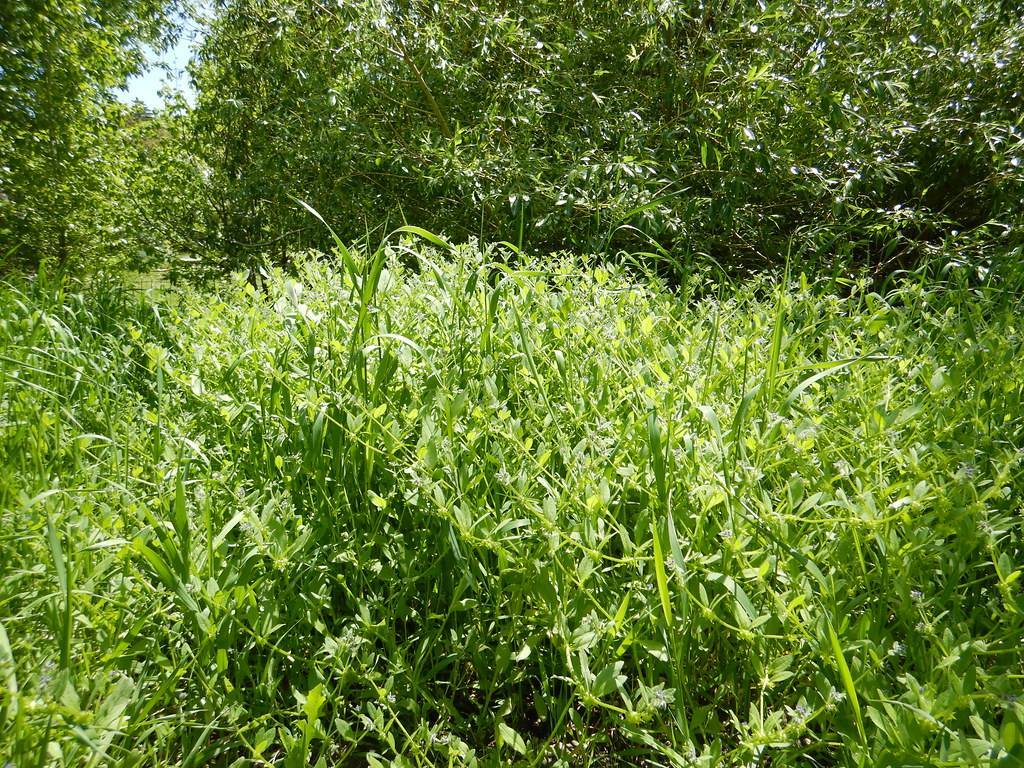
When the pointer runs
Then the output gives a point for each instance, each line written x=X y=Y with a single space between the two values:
x=847 y=678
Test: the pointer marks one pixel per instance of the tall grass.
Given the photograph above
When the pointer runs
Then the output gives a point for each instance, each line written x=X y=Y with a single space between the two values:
x=432 y=509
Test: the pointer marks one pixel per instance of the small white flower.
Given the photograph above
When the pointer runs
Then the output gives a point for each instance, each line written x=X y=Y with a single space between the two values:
x=967 y=470
x=660 y=698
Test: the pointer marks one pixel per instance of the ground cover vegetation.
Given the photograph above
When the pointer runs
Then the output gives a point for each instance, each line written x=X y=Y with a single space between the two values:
x=537 y=384
x=436 y=510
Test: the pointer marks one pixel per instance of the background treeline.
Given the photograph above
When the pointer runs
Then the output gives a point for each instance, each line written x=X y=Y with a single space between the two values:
x=863 y=134
x=69 y=151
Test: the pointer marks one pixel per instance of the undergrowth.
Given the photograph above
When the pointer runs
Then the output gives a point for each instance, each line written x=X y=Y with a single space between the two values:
x=430 y=509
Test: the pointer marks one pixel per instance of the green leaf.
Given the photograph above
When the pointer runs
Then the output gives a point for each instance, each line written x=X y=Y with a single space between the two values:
x=1010 y=733
x=847 y=678
x=8 y=674
x=660 y=574
x=314 y=702
x=607 y=680
x=430 y=237
x=510 y=738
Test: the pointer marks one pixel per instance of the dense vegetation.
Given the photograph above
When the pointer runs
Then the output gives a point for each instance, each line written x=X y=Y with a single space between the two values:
x=854 y=134
x=442 y=511
x=694 y=437
x=65 y=144
x=867 y=133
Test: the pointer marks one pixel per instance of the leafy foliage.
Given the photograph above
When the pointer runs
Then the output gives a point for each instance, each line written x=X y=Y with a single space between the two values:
x=62 y=156
x=427 y=504
x=432 y=509
x=868 y=134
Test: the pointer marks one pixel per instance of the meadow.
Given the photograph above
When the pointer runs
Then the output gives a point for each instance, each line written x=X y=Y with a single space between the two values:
x=427 y=506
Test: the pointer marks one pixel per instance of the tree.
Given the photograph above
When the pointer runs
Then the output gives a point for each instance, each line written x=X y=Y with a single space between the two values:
x=60 y=170
x=870 y=133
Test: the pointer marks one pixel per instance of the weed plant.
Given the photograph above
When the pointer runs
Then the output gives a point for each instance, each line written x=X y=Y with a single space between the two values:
x=431 y=509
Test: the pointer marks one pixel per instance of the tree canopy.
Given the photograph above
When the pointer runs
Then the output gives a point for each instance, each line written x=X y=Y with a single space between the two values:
x=869 y=132
x=857 y=135
x=62 y=153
